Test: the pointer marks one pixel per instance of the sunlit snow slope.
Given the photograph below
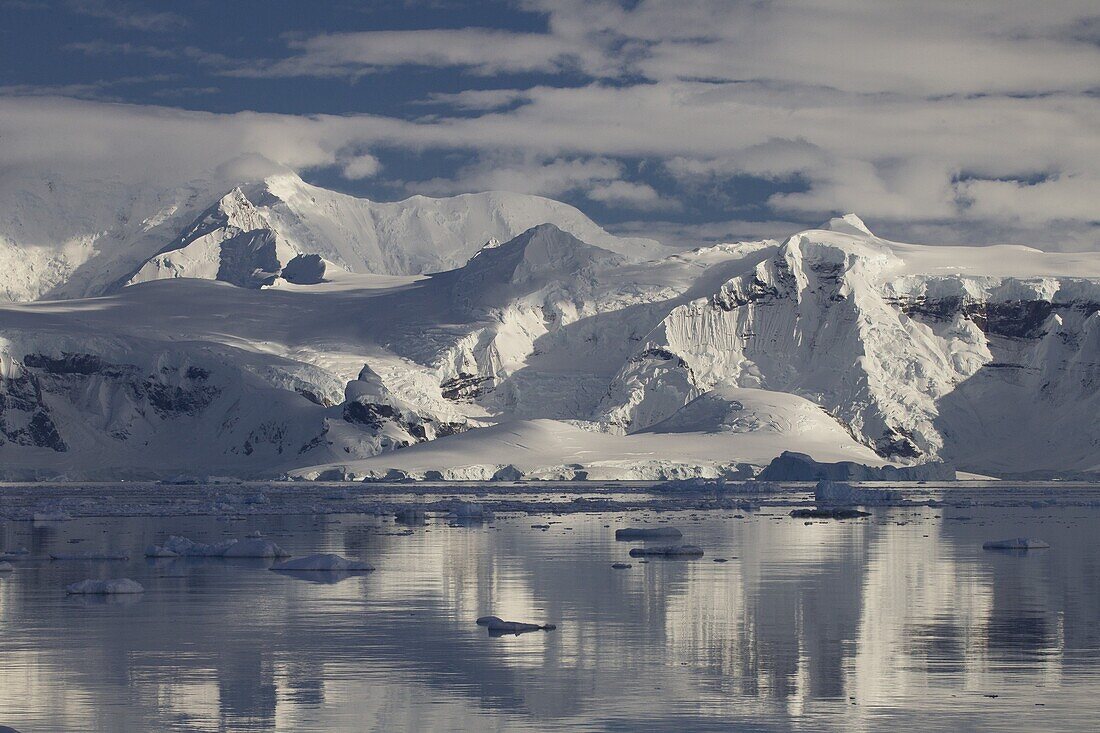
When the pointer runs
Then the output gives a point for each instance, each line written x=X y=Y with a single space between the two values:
x=266 y=340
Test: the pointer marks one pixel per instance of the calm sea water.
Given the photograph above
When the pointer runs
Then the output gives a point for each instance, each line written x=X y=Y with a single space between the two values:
x=899 y=622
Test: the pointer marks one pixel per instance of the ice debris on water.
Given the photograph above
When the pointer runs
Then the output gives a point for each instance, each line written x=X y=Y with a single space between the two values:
x=667 y=551
x=498 y=626
x=838 y=493
x=829 y=513
x=75 y=556
x=1016 y=543
x=247 y=548
x=470 y=511
x=648 y=533
x=117 y=586
x=325 y=562
x=6 y=567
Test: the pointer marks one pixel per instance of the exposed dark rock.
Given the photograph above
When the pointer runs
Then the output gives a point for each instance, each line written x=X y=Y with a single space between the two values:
x=306 y=269
x=465 y=387
x=25 y=418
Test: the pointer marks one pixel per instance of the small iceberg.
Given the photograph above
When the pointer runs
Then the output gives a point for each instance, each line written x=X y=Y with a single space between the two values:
x=631 y=534
x=76 y=556
x=253 y=547
x=323 y=563
x=6 y=567
x=668 y=551
x=117 y=586
x=499 y=627
x=470 y=512
x=1016 y=543
x=829 y=513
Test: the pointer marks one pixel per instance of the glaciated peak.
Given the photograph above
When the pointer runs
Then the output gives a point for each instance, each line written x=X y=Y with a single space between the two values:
x=541 y=252
x=848 y=224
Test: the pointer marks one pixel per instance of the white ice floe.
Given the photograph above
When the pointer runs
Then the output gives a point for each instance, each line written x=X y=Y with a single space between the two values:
x=668 y=551
x=648 y=533
x=117 y=586
x=325 y=562
x=6 y=567
x=248 y=548
x=1016 y=543
x=497 y=626
x=470 y=511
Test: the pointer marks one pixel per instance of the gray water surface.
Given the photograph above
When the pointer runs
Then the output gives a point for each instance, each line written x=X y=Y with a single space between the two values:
x=897 y=622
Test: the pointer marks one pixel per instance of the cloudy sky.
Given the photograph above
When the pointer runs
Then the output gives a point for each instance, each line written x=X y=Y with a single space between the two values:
x=938 y=120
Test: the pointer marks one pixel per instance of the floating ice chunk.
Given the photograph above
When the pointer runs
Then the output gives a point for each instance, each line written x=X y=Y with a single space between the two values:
x=6 y=567
x=837 y=493
x=667 y=551
x=89 y=556
x=254 y=547
x=1016 y=543
x=499 y=627
x=323 y=563
x=411 y=515
x=648 y=533
x=105 y=587
x=182 y=547
x=620 y=565
x=829 y=513
x=471 y=511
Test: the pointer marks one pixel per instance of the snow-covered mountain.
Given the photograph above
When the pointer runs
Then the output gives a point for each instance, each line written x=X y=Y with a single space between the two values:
x=276 y=334
x=67 y=238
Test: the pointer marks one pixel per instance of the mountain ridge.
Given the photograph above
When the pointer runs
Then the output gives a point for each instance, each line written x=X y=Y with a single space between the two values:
x=832 y=342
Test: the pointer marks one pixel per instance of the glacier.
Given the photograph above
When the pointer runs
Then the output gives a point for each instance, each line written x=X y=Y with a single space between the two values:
x=276 y=329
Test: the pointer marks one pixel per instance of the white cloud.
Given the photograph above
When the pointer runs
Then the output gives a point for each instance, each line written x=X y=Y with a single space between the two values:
x=127 y=16
x=524 y=174
x=629 y=195
x=480 y=50
x=361 y=166
x=931 y=114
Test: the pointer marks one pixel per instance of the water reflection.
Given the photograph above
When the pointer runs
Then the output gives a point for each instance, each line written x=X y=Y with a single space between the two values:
x=896 y=622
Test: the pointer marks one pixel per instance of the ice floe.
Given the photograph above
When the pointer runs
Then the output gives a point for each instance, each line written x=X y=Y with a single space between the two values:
x=648 y=533
x=325 y=562
x=252 y=547
x=667 y=551
x=1016 y=543
x=116 y=586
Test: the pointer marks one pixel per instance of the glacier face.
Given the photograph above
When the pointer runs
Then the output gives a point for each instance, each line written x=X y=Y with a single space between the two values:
x=288 y=329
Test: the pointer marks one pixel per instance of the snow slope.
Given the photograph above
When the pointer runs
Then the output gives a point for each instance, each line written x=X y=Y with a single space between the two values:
x=724 y=432
x=560 y=356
